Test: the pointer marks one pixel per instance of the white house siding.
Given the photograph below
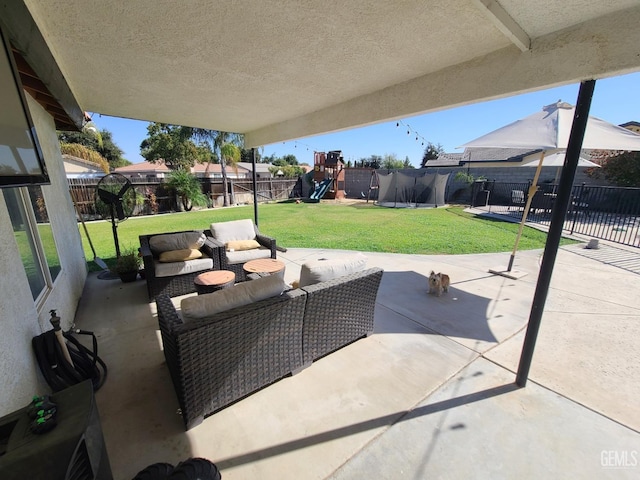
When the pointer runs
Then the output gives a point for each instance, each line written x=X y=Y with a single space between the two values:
x=20 y=318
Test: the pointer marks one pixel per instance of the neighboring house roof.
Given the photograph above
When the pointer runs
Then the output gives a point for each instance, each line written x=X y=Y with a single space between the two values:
x=77 y=164
x=148 y=168
x=260 y=167
x=216 y=169
x=496 y=154
x=633 y=126
x=145 y=168
x=446 y=160
x=75 y=167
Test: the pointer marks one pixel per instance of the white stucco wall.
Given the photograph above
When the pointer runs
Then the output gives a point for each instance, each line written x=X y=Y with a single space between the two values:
x=20 y=318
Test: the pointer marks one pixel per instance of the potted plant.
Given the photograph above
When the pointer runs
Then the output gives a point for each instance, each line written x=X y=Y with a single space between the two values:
x=127 y=265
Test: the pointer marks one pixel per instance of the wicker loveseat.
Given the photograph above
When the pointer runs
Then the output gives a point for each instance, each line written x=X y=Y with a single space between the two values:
x=175 y=278
x=217 y=360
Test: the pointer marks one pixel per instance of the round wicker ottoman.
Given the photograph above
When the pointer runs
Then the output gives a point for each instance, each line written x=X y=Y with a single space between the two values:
x=209 y=282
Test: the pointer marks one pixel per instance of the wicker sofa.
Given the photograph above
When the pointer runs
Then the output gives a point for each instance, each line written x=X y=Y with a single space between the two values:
x=178 y=279
x=221 y=359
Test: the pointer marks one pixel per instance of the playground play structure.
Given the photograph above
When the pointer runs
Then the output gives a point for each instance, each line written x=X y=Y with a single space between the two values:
x=399 y=190
x=328 y=175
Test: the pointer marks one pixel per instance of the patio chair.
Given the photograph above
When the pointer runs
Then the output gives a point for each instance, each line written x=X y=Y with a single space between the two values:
x=237 y=242
x=168 y=268
x=517 y=198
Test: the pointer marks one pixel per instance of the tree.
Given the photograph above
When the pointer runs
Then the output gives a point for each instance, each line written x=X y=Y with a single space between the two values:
x=287 y=171
x=391 y=162
x=290 y=159
x=431 y=152
x=172 y=144
x=100 y=141
x=374 y=161
x=80 y=151
x=226 y=145
x=620 y=168
x=246 y=155
x=407 y=163
x=187 y=187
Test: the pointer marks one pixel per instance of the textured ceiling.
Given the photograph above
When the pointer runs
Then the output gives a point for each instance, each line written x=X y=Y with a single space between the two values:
x=277 y=70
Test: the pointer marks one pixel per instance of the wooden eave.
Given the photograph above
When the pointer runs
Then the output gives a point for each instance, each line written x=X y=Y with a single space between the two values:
x=32 y=84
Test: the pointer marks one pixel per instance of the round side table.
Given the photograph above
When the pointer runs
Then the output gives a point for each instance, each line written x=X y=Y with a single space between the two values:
x=210 y=282
x=264 y=266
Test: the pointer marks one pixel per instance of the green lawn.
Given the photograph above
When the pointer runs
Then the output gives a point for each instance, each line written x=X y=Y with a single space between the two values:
x=361 y=227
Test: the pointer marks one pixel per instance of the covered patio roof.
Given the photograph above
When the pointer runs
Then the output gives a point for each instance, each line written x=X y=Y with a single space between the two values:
x=281 y=70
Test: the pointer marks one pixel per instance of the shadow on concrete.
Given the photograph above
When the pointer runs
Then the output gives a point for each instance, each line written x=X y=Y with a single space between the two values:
x=456 y=313
x=374 y=423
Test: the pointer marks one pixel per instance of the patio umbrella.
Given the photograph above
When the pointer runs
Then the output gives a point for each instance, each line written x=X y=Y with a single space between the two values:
x=557 y=160
x=549 y=131
x=585 y=132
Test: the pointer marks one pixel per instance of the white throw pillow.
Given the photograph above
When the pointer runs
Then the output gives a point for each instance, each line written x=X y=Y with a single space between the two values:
x=176 y=241
x=321 y=270
x=234 y=230
x=245 y=293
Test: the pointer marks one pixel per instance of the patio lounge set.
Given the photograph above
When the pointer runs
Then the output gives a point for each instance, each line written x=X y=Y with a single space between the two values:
x=171 y=263
x=222 y=346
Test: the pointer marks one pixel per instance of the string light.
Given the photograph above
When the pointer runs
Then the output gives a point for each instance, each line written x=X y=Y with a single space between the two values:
x=302 y=145
x=419 y=138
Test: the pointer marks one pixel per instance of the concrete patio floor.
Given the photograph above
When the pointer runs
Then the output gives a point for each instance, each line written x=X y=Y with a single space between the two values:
x=430 y=395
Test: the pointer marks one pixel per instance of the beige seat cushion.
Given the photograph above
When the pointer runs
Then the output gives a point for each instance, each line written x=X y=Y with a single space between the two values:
x=172 y=269
x=244 y=256
x=234 y=230
x=321 y=270
x=204 y=306
x=176 y=241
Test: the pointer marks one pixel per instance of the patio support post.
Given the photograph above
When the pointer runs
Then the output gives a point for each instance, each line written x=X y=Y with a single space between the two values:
x=255 y=186
x=555 y=229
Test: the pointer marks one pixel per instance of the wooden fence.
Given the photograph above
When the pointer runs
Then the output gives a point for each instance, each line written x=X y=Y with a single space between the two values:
x=153 y=196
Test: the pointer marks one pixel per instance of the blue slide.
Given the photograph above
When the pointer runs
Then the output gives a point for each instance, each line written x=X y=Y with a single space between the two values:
x=321 y=189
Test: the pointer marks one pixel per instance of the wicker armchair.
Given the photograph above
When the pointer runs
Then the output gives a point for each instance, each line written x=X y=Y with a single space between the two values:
x=216 y=361
x=174 y=285
x=339 y=312
x=247 y=230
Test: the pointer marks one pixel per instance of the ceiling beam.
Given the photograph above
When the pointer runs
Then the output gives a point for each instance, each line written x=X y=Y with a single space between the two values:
x=503 y=22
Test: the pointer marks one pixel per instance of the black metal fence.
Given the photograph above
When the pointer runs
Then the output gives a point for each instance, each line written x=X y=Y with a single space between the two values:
x=609 y=213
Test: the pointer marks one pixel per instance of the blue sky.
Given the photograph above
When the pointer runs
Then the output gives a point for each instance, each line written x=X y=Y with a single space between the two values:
x=616 y=100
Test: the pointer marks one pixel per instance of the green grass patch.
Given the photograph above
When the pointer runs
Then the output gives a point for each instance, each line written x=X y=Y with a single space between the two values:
x=362 y=227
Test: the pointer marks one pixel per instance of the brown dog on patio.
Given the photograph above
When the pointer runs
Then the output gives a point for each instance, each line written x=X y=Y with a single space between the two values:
x=438 y=283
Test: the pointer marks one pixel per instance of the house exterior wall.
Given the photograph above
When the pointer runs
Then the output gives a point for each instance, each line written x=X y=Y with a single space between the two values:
x=20 y=318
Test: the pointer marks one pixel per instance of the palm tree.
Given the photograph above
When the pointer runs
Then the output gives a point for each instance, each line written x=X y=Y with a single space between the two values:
x=187 y=187
x=227 y=146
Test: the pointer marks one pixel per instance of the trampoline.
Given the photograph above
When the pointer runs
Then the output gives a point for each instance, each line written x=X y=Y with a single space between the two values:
x=399 y=190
